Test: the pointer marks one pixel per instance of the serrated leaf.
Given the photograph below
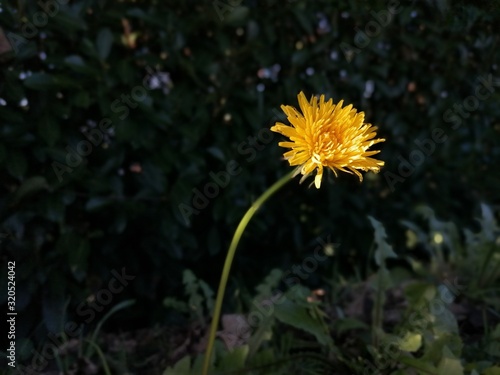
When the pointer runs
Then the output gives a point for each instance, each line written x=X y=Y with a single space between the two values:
x=208 y=294
x=192 y=287
x=488 y=223
x=384 y=250
x=270 y=283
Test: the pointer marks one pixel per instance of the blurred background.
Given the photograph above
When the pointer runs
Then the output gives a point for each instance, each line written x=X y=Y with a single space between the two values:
x=135 y=134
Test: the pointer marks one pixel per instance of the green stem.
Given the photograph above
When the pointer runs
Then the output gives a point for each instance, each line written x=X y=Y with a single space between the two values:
x=229 y=260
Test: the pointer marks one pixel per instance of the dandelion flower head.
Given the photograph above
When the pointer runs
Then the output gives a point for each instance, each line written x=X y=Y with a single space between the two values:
x=325 y=135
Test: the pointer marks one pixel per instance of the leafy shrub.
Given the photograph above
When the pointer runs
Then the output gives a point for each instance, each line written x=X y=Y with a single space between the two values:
x=166 y=93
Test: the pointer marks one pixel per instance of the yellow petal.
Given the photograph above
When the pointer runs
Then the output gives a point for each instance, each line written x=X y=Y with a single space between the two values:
x=323 y=134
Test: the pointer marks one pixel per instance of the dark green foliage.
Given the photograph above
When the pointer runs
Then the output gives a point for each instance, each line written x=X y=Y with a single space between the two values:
x=72 y=219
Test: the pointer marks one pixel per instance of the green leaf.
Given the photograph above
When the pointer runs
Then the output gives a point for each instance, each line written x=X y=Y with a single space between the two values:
x=488 y=223
x=40 y=81
x=270 y=283
x=495 y=370
x=419 y=364
x=78 y=65
x=434 y=349
x=208 y=294
x=29 y=186
x=77 y=250
x=237 y=16
x=96 y=203
x=81 y=99
x=444 y=320
x=449 y=364
x=263 y=333
x=173 y=303
x=104 y=43
x=48 y=129
x=197 y=366
x=304 y=20
x=139 y=13
x=17 y=165
x=299 y=317
x=153 y=178
x=349 y=324
x=419 y=292
x=74 y=60
x=182 y=367
x=384 y=250
x=69 y=23
x=54 y=208
x=234 y=360
x=192 y=287
x=264 y=357
x=411 y=342
x=217 y=153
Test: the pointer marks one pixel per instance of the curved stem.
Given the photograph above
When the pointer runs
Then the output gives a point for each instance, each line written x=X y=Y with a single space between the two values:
x=229 y=260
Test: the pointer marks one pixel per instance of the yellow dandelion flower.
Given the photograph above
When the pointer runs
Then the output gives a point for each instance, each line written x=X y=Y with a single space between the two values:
x=327 y=135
